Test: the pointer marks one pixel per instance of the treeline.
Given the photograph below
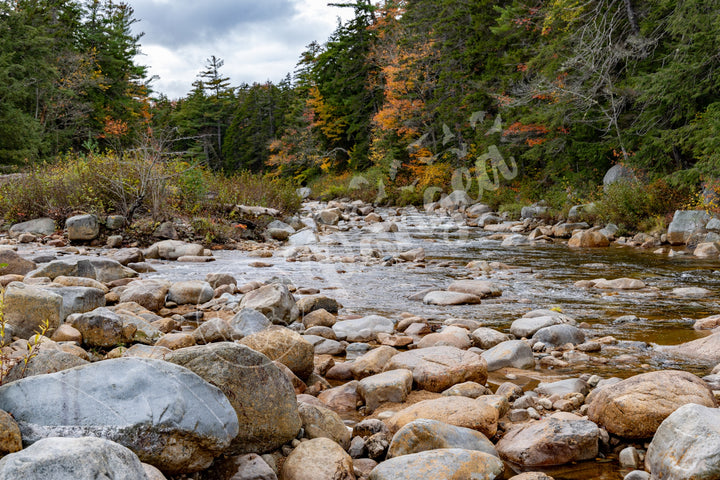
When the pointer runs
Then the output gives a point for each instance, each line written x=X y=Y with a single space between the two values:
x=68 y=78
x=414 y=89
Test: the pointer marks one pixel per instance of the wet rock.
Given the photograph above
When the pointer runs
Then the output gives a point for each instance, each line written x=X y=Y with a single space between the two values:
x=686 y=445
x=190 y=292
x=261 y=395
x=166 y=414
x=286 y=346
x=86 y=458
x=82 y=227
x=318 y=459
x=588 y=239
x=684 y=224
x=512 y=353
x=363 y=329
x=635 y=407
x=516 y=240
x=480 y=288
x=691 y=292
x=26 y=308
x=274 y=301
x=438 y=368
x=550 y=442
x=486 y=338
x=321 y=422
x=13 y=264
x=391 y=386
x=423 y=434
x=556 y=335
x=373 y=362
x=148 y=293
x=440 y=464
x=637 y=475
x=619 y=284
x=459 y=411
x=450 y=298
x=39 y=226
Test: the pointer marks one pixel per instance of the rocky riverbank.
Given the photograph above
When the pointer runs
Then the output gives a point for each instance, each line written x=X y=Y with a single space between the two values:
x=148 y=368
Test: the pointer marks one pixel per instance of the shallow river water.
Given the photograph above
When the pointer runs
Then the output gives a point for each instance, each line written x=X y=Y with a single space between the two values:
x=543 y=276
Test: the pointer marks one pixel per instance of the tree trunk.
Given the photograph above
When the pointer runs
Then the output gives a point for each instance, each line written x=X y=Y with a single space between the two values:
x=632 y=18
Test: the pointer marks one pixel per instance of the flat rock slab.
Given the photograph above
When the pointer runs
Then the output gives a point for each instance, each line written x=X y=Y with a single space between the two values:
x=166 y=414
x=480 y=288
x=391 y=386
x=438 y=368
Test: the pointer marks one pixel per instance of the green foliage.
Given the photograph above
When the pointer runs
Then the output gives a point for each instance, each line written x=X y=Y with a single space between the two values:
x=634 y=206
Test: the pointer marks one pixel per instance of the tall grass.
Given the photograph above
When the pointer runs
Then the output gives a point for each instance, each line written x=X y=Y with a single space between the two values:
x=136 y=184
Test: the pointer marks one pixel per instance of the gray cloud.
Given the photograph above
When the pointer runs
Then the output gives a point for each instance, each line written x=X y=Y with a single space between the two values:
x=185 y=22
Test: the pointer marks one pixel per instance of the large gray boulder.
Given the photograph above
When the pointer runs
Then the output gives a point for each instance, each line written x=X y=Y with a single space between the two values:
x=27 y=308
x=174 y=249
x=169 y=416
x=103 y=328
x=456 y=200
x=39 y=226
x=684 y=224
x=686 y=445
x=258 y=390
x=274 y=301
x=100 y=269
x=82 y=227
x=45 y=361
x=85 y=458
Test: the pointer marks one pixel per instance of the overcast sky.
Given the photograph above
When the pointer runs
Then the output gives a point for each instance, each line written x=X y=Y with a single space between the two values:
x=259 y=40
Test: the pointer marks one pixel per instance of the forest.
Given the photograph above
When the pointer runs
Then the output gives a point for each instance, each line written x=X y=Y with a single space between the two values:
x=413 y=94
